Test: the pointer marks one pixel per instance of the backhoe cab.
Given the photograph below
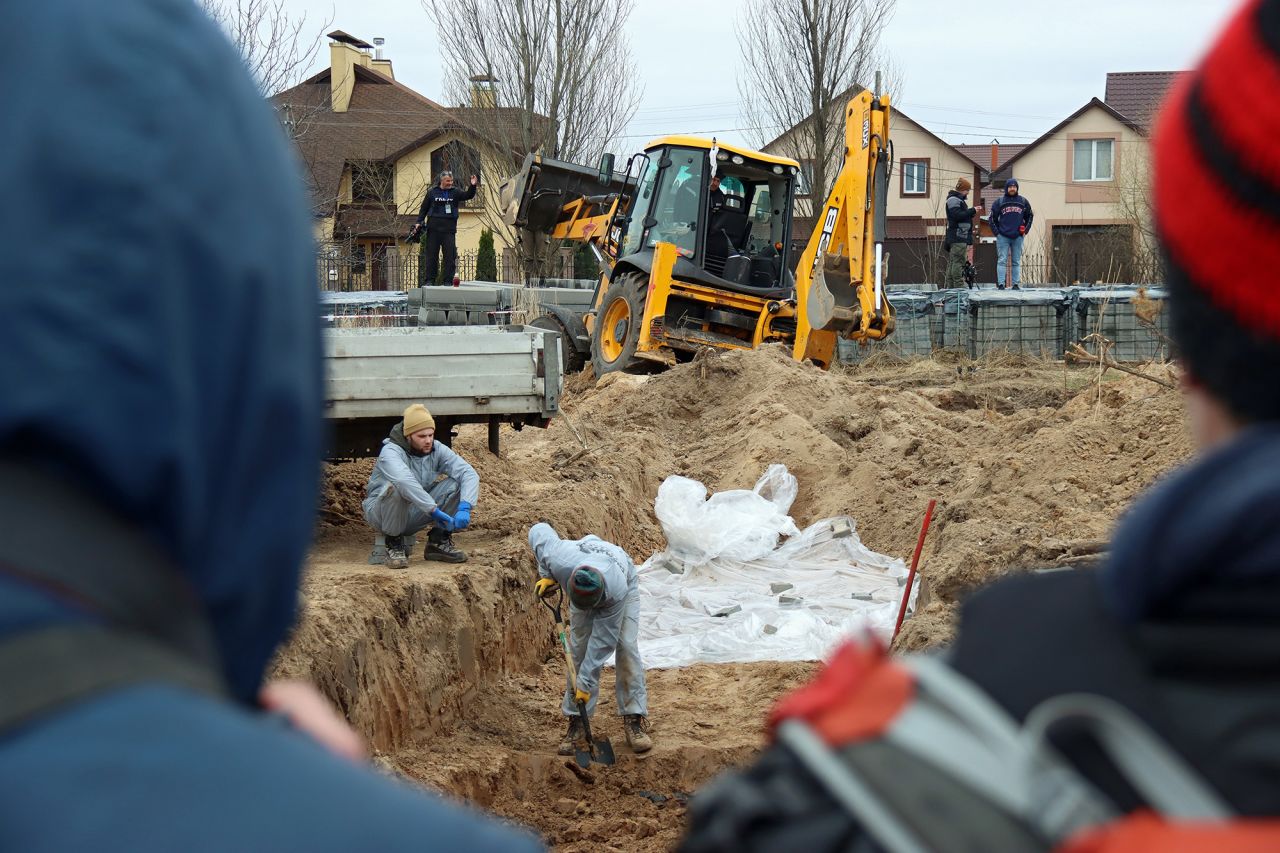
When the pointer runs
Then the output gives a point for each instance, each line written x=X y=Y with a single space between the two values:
x=694 y=237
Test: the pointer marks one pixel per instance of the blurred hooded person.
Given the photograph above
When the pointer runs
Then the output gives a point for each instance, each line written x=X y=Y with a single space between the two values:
x=600 y=581
x=160 y=441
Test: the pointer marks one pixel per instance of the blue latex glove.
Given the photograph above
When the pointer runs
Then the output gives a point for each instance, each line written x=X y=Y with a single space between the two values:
x=443 y=520
x=463 y=518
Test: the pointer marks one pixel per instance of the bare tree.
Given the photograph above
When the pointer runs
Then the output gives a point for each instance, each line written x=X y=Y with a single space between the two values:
x=1133 y=206
x=276 y=47
x=563 y=66
x=555 y=76
x=804 y=59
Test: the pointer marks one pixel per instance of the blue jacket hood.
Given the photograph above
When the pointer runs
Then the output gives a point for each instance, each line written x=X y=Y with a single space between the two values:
x=159 y=338
x=1214 y=522
x=1012 y=182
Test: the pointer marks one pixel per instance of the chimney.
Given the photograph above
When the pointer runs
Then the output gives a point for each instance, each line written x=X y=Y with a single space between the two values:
x=484 y=94
x=380 y=63
x=343 y=59
x=995 y=154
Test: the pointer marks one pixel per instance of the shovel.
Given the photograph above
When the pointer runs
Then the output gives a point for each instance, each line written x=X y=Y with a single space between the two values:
x=600 y=751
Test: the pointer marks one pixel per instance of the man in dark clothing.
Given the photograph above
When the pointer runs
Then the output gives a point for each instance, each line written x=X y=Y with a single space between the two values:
x=1180 y=625
x=1010 y=221
x=439 y=213
x=959 y=233
x=161 y=437
x=716 y=200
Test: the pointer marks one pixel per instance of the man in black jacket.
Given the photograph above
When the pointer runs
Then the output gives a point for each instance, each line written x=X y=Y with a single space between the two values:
x=439 y=212
x=1180 y=625
x=959 y=232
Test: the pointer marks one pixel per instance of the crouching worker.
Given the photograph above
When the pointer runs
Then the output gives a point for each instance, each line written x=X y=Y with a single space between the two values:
x=604 y=619
x=418 y=483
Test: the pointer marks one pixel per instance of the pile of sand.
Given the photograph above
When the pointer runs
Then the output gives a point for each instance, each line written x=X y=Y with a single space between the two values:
x=1030 y=462
x=450 y=671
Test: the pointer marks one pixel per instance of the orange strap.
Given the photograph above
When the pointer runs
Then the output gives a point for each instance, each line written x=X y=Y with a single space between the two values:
x=1147 y=832
x=857 y=695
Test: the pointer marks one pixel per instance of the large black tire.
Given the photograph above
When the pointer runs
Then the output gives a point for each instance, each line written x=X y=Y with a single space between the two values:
x=572 y=360
x=617 y=327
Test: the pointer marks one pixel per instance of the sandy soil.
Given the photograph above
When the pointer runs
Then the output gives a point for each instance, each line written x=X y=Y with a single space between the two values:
x=450 y=671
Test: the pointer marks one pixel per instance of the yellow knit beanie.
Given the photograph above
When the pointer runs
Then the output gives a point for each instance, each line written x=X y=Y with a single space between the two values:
x=416 y=419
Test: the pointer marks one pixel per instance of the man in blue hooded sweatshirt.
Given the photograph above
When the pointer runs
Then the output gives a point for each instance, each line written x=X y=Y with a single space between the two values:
x=1010 y=221
x=1180 y=624
x=160 y=441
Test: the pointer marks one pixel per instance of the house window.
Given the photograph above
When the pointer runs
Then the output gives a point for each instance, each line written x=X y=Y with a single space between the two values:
x=1092 y=160
x=460 y=159
x=372 y=182
x=915 y=177
x=804 y=180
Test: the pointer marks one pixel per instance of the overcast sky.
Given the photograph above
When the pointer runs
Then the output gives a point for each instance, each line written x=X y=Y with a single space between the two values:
x=1006 y=70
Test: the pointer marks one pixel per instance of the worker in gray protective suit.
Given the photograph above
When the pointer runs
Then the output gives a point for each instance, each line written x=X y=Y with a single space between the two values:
x=418 y=483
x=604 y=619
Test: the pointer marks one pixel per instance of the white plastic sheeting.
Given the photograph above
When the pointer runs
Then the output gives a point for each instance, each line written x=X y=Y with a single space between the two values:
x=740 y=582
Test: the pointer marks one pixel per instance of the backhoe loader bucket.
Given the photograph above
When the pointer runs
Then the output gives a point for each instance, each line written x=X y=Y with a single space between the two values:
x=535 y=198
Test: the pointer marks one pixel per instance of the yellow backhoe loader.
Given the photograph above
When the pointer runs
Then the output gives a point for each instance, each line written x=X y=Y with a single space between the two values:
x=689 y=264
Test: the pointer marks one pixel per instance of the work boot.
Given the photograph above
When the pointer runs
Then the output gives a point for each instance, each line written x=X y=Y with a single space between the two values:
x=397 y=558
x=637 y=738
x=1015 y=287
x=576 y=734
x=440 y=548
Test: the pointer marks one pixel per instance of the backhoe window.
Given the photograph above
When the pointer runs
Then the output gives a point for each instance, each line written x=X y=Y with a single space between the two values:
x=767 y=213
x=640 y=209
x=675 y=218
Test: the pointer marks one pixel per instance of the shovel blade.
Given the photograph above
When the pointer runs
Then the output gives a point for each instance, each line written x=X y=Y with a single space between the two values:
x=600 y=751
x=603 y=752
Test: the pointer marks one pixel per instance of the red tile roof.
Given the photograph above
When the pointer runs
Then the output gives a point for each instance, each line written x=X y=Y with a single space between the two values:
x=981 y=154
x=1138 y=94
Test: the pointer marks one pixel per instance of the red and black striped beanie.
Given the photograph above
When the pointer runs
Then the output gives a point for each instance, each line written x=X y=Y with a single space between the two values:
x=1217 y=211
x=1217 y=172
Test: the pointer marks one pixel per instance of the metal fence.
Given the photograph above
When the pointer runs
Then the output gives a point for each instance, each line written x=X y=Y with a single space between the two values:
x=1042 y=322
x=392 y=270
x=354 y=269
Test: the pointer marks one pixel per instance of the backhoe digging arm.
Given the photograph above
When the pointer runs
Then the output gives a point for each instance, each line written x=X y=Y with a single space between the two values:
x=839 y=286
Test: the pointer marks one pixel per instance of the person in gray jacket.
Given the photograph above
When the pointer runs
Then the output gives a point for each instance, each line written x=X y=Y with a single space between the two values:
x=418 y=483
x=604 y=619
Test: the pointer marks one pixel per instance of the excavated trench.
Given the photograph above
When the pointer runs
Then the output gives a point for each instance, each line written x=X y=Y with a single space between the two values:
x=451 y=672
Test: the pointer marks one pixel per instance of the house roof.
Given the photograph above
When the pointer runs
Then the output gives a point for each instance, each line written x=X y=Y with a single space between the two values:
x=981 y=154
x=384 y=121
x=1138 y=94
x=1006 y=168
x=959 y=149
x=382 y=118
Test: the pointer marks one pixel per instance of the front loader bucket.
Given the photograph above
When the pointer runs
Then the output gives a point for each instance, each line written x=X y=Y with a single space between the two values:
x=534 y=198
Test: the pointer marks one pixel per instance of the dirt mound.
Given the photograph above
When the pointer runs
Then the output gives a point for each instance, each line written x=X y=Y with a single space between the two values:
x=343 y=493
x=1030 y=461
x=450 y=672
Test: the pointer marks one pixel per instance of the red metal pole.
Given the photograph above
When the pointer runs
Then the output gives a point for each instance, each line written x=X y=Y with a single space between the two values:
x=911 y=575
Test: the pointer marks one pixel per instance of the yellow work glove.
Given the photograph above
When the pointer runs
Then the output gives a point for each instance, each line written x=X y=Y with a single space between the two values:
x=544 y=587
x=581 y=696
